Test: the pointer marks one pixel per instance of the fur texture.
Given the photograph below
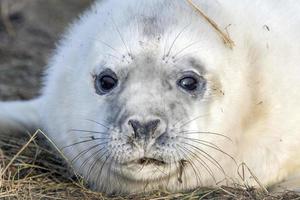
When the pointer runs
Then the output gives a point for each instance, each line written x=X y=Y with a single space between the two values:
x=247 y=111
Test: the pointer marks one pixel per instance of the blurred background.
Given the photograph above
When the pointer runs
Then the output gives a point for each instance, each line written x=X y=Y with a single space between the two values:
x=29 y=30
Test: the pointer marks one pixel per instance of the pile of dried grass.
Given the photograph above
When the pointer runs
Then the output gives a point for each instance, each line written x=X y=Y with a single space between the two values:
x=31 y=169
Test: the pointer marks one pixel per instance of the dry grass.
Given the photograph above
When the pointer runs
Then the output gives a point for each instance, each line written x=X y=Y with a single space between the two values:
x=224 y=36
x=30 y=170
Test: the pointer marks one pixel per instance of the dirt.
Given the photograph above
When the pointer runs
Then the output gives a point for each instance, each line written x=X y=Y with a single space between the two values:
x=29 y=30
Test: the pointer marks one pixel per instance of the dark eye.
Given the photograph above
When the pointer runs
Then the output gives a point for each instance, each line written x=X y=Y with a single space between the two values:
x=106 y=82
x=192 y=83
x=188 y=83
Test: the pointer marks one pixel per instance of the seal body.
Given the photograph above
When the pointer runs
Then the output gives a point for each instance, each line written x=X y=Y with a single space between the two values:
x=145 y=95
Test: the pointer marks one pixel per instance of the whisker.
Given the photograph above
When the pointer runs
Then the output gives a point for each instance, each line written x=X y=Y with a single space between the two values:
x=88 y=137
x=191 y=120
x=208 y=157
x=220 y=150
x=113 y=56
x=121 y=36
x=112 y=160
x=101 y=169
x=86 y=131
x=95 y=162
x=179 y=121
x=191 y=163
x=184 y=48
x=166 y=44
x=187 y=54
x=186 y=132
x=86 y=151
x=158 y=167
x=202 y=163
x=142 y=167
x=115 y=160
x=109 y=46
x=84 y=141
x=200 y=141
x=83 y=164
x=176 y=38
x=90 y=120
x=179 y=167
x=170 y=167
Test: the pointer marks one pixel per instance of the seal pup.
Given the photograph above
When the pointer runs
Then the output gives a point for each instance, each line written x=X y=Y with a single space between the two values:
x=145 y=95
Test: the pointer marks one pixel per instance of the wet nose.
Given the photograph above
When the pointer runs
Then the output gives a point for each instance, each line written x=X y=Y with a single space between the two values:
x=144 y=130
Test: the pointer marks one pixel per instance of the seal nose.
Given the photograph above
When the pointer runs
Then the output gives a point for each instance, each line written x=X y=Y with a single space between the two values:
x=144 y=129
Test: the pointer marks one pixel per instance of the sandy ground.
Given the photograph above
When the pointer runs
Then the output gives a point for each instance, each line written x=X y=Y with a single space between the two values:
x=29 y=30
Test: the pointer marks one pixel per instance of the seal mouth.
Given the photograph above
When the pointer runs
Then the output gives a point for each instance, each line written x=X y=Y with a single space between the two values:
x=148 y=161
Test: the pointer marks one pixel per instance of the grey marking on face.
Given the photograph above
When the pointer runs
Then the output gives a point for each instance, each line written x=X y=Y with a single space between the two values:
x=172 y=106
x=148 y=60
x=151 y=26
x=114 y=107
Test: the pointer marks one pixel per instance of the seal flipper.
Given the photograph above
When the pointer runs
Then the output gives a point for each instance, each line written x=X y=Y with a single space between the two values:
x=19 y=116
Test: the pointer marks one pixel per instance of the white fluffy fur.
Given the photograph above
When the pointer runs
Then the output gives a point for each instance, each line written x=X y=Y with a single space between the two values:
x=258 y=104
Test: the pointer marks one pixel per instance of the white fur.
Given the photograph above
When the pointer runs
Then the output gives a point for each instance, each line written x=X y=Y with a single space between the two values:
x=256 y=103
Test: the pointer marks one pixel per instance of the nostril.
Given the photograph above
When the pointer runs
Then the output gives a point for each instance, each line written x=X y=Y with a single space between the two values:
x=137 y=128
x=152 y=125
x=135 y=124
x=143 y=129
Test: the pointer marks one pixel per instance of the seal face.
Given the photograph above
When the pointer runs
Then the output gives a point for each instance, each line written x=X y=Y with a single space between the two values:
x=144 y=95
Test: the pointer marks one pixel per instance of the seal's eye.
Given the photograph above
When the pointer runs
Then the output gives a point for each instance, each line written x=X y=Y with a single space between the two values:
x=106 y=82
x=188 y=83
x=192 y=83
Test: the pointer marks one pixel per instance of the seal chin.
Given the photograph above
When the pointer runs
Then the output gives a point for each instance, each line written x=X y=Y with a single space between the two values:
x=147 y=169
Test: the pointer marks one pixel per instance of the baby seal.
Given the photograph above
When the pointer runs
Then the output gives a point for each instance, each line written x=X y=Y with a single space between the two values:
x=145 y=95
